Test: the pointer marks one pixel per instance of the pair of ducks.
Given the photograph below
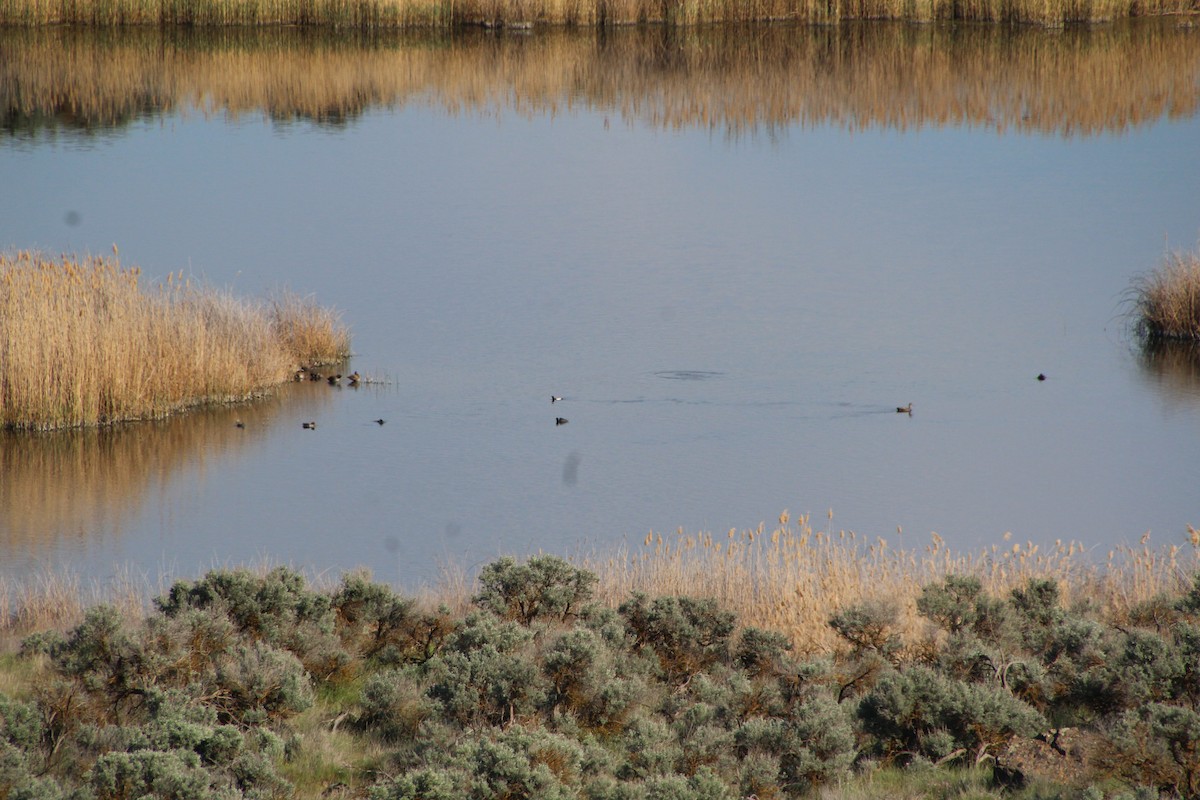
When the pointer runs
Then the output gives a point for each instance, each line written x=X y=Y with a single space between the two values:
x=908 y=408
x=312 y=426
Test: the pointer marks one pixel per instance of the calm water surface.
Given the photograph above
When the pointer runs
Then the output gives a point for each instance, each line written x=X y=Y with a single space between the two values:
x=732 y=264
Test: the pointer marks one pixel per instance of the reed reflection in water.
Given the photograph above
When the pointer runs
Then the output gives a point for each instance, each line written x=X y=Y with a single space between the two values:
x=1077 y=81
x=1173 y=368
x=61 y=488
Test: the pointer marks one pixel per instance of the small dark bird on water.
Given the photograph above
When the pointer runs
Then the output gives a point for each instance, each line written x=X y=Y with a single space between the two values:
x=310 y=426
x=354 y=378
x=240 y=424
x=560 y=421
x=904 y=409
x=554 y=398
x=1041 y=376
x=314 y=376
x=333 y=379
x=380 y=421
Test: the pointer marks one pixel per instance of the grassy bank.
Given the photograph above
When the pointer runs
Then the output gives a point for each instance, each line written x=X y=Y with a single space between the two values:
x=546 y=680
x=84 y=342
x=1167 y=300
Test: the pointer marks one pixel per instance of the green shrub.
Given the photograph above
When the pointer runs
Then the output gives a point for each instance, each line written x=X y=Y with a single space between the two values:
x=543 y=586
x=423 y=784
x=953 y=605
x=1158 y=745
x=393 y=705
x=814 y=745
x=763 y=652
x=584 y=681
x=276 y=608
x=913 y=710
x=175 y=775
x=870 y=628
x=687 y=635
x=259 y=682
x=372 y=618
x=487 y=672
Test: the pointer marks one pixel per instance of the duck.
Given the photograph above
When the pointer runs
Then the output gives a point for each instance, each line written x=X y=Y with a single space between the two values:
x=240 y=424
x=310 y=426
x=333 y=379
x=379 y=421
x=1041 y=376
x=904 y=409
x=354 y=378
x=560 y=421
x=313 y=375
x=555 y=398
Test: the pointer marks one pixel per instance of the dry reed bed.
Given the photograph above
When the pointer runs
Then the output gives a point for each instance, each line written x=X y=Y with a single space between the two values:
x=82 y=342
x=793 y=578
x=1072 y=82
x=1167 y=300
x=376 y=14
x=790 y=579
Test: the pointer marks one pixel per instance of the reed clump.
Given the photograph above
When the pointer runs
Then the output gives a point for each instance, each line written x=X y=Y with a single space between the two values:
x=83 y=342
x=1167 y=300
x=792 y=578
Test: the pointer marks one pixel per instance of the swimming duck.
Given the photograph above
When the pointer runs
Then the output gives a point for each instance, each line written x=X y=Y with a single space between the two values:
x=333 y=379
x=904 y=409
x=554 y=398
x=310 y=426
x=380 y=421
x=560 y=421
x=354 y=378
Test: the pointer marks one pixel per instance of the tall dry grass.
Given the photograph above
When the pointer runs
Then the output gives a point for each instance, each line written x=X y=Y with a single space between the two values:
x=1167 y=300
x=793 y=577
x=731 y=79
x=377 y=14
x=84 y=342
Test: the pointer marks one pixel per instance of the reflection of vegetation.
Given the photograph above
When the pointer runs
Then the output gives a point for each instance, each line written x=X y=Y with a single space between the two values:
x=245 y=684
x=83 y=342
x=1174 y=367
x=71 y=483
x=1075 y=81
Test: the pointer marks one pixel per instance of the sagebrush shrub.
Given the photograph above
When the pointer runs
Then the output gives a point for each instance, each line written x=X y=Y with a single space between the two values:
x=688 y=635
x=543 y=586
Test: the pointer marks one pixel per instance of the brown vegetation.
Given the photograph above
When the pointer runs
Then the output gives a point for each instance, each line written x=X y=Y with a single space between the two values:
x=83 y=342
x=374 y=14
x=792 y=578
x=1167 y=301
x=733 y=79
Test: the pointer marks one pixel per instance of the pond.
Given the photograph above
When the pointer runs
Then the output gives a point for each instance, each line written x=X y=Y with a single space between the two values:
x=733 y=252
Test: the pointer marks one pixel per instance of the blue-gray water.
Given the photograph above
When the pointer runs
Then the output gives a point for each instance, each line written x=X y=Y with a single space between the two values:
x=731 y=319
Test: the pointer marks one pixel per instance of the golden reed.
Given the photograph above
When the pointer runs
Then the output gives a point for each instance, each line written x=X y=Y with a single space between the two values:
x=83 y=342
x=376 y=14
x=794 y=577
x=1167 y=300
x=735 y=80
